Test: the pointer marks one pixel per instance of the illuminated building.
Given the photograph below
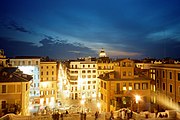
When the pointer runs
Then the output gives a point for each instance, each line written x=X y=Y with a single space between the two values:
x=167 y=80
x=29 y=65
x=102 y=53
x=14 y=90
x=82 y=77
x=119 y=88
x=3 y=60
x=48 y=83
x=104 y=65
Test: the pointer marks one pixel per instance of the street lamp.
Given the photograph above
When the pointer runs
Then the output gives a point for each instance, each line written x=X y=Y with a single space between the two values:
x=99 y=106
x=137 y=97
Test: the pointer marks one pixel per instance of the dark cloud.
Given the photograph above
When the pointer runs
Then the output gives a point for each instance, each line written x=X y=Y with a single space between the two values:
x=12 y=25
x=53 y=49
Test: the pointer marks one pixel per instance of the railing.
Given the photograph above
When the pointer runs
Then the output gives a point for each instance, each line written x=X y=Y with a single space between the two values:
x=118 y=92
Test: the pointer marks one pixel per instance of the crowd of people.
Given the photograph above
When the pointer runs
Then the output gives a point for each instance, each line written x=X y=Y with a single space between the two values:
x=58 y=116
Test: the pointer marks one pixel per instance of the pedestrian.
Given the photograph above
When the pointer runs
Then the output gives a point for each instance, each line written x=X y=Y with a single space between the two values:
x=96 y=115
x=66 y=112
x=85 y=116
x=61 y=116
x=81 y=115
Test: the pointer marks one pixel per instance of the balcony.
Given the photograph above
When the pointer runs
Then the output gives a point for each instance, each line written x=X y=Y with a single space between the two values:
x=119 y=92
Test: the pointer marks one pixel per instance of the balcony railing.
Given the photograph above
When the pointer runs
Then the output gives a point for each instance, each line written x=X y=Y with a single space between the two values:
x=118 y=92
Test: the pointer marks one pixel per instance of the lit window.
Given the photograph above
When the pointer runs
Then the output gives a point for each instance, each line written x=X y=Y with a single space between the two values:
x=89 y=76
x=136 y=86
x=144 y=86
x=130 y=87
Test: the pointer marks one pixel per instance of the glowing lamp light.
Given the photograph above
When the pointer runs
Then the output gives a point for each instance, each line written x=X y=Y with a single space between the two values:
x=137 y=97
x=98 y=105
x=82 y=102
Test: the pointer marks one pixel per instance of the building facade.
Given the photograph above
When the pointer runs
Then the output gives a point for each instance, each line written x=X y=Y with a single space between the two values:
x=14 y=91
x=48 y=83
x=167 y=80
x=29 y=65
x=82 y=77
x=119 y=88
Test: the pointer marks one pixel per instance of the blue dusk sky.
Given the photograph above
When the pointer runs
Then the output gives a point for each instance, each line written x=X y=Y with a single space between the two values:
x=67 y=29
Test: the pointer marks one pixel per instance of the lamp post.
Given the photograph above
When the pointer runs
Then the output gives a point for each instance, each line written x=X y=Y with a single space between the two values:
x=82 y=105
x=137 y=97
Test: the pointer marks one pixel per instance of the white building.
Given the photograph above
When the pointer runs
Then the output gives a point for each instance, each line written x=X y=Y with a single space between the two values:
x=82 y=76
x=29 y=65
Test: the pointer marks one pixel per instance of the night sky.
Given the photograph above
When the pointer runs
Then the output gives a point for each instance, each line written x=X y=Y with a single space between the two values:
x=67 y=29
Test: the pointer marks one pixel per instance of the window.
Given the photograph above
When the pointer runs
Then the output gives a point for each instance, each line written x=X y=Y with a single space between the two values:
x=144 y=86
x=29 y=62
x=94 y=87
x=170 y=75
x=104 y=85
x=94 y=66
x=88 y=66
x=124 y=64
x=94 y=82
x=52 y=72
x=89 y=76
x=3 y=104
x=41 y=67
x=101 y=96
x=117 y=87
x=129 y=73
x=52 y=67
x=36 y=62
x=136 y=86
x=124 y=86
x=130 y=86
x=53 y=92
x=47 y=67
x=47 y=73
x=83 y=76
x=94 y=71
x=83 y=71
x=101 y=83
x=124 y=73
x=164 y=86
x=83 y=66
x=83 y=87
x=89 y=71
x=94 y=76
x=3 y=88
x=178 y=76
x=163 y=74
x=89 y=87
x=171 y=89
x=18 y=88
x=89 y=82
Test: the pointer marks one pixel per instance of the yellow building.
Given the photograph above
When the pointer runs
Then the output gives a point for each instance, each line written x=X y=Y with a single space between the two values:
x=3 y=59
x=14 y=91
x=167 y=77
x=120 y=88
x=48 y=83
